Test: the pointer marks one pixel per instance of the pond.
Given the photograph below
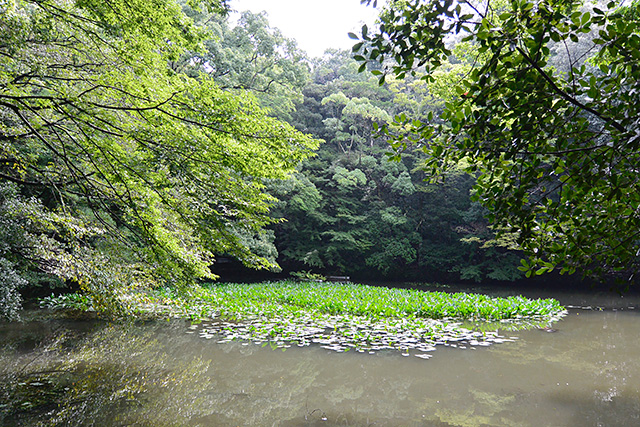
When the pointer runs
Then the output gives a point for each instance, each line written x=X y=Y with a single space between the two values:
x=65 y=372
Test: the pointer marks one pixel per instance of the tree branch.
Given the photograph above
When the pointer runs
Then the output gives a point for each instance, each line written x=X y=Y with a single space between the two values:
x=566 y=96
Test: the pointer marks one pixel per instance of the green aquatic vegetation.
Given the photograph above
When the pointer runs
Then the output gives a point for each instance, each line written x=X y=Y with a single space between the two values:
x=346 y=316
x=368 y=301
x=68 y=301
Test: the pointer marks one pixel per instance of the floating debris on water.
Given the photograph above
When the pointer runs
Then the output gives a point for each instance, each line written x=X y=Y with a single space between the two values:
x=424 y=356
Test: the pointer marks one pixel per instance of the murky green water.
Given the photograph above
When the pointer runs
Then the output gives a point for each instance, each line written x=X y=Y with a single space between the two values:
x=76 y=373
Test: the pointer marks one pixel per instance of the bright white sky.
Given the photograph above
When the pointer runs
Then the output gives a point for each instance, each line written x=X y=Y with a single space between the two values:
x=316 y=24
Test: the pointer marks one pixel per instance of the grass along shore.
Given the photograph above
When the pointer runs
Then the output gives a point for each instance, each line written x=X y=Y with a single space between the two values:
x=344 y=316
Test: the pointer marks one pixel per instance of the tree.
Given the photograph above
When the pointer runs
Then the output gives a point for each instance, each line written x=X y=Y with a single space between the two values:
x=354 y=122
x=252 y=56
x=128 y=171
x=555 y=149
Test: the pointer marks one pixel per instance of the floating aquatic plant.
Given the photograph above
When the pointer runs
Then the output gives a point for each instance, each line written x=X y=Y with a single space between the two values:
x=346 y=316
x=368 y=301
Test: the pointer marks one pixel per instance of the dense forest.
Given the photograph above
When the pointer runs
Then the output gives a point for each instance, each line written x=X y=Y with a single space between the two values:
x=350 y=209
x=142 y=141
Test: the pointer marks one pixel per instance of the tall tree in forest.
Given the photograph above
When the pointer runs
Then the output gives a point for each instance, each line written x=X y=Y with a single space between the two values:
x=555 y=148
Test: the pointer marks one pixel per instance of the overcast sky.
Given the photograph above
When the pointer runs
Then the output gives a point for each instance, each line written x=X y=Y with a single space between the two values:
x=315 y=24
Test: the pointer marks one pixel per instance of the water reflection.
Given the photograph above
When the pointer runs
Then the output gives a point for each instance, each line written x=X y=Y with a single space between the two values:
x=113 y=375
x=156 y=374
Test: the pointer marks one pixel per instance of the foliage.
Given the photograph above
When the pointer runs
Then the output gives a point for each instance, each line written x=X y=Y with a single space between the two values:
x=308 y=276
x=250 y=57
x=67 y=301
x=10 y=282
x=29 y=249
x=351 y=212
x=229 y=299
x=125 y=156
x=554 y=146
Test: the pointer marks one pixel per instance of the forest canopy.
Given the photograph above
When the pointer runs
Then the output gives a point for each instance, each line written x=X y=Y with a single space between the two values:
x=543 y=108
x=117 y=168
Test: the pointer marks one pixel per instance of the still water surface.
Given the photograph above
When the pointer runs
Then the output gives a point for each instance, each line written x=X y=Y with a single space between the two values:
x=587 y=373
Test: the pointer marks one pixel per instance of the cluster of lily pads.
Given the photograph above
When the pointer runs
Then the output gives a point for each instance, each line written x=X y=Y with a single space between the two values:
x=345 y=316
x=344 y=333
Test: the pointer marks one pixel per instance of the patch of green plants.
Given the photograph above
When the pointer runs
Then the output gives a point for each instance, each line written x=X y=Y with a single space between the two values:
x=369 y=301
x=345 y=316
x=293 y=298
x=67 y=301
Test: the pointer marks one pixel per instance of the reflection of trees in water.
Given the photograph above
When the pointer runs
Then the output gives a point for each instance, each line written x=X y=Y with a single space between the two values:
x=153 y=375
x=110 y=378
x=156 y=374
x=125 y=376
x=588 y=372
